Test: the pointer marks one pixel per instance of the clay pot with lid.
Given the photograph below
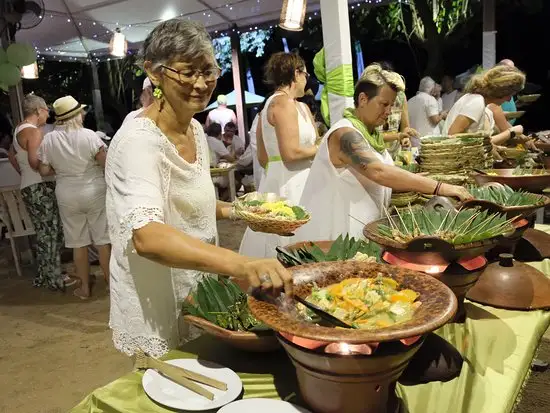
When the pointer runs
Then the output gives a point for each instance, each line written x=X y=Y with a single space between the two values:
x=512 y=285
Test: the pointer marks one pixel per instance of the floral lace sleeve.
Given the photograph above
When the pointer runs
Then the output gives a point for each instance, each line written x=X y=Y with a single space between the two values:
x=134 y=179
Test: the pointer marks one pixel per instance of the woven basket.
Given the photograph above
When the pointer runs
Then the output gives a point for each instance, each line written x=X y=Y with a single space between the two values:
x=269 y=225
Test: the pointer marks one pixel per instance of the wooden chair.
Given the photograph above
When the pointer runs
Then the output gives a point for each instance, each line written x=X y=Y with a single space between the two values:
x=16 y=219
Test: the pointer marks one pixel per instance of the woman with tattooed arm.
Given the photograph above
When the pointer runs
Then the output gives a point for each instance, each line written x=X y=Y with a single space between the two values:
x=352 y=176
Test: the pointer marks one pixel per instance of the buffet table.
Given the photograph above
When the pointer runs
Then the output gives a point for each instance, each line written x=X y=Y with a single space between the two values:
x=498 y=347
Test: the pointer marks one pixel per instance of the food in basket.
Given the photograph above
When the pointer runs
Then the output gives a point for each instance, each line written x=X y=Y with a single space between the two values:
x=456 y=227
x=505 y=196
x=223 y=303
x=365 y=303
x=343 y=249
x=277 y=209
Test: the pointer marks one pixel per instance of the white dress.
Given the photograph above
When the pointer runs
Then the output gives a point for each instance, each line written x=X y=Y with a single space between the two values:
x=147 y=181
x=334 y=195
x=285 y=179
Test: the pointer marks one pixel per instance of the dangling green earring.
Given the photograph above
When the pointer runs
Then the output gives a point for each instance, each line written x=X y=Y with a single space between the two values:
x=157 y=93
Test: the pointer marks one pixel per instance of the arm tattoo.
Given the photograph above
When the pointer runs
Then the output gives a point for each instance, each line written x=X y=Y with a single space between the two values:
x=353 y=145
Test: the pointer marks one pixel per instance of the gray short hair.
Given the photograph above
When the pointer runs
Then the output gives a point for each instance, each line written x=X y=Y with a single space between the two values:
x=31 y=105
x=426 y=85
x=174 y=39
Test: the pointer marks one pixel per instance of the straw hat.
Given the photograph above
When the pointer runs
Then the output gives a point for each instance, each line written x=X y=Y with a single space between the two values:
x=67 y=107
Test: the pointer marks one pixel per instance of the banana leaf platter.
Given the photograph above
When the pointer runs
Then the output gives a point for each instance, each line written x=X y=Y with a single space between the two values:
x=429 y=248
x=502 y=199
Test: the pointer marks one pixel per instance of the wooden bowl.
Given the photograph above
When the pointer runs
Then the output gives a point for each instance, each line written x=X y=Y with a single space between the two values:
x=531 y=183
x=543 y=147
x=439 y=304
x=426 y=249
x=259 y=342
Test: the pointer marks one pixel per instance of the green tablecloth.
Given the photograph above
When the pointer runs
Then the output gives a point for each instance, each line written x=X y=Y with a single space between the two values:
x=498 y=346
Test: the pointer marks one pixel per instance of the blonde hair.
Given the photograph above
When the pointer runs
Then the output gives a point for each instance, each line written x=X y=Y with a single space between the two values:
x=498 y=82
x=74 y=123
x=373 y=78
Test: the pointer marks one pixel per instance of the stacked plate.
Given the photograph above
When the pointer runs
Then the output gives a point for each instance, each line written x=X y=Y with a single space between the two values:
x=451 y=159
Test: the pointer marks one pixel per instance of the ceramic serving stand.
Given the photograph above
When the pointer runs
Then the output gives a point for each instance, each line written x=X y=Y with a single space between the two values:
x=345 y=380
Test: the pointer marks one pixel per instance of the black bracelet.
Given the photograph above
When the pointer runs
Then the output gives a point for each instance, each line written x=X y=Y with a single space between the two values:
x=437 y=187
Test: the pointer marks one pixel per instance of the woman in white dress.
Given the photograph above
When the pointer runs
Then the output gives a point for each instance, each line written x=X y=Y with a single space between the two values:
x=161 y=204
x=286 y=145
x=76 y=156
x=352 y=176
x=471 y=113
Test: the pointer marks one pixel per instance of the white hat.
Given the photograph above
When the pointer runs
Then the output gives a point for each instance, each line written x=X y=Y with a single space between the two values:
x=147 y=83
x=67 y=107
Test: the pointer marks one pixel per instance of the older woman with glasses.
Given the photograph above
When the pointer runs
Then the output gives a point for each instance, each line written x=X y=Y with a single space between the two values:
x=286 y=144
x=161 y=203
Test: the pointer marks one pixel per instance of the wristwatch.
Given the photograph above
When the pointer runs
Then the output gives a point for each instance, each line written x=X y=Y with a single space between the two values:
x=512 y=133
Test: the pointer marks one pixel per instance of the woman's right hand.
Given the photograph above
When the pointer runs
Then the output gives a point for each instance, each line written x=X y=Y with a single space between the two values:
x=518 y=129
x=267 y=274
x=455 y=191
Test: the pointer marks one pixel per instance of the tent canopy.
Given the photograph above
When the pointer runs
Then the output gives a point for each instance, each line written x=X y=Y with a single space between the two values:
x=57 y=35
x=250 y=100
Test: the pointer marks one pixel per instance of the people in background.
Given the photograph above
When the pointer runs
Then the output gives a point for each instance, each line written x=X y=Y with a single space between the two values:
x=232 y=140
x=222 y=114
x=396 y=129
x=145 y=100
x=286 y=146
x=471 y=114
x=77 y=157
x=449 y=93
x=218 y=149
x=161 y=202
x=352 y=176
x=424 y=113
x=39 y=194
x=510 y=105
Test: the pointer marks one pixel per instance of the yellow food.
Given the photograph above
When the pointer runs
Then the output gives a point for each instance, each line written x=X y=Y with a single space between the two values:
x=366 y=303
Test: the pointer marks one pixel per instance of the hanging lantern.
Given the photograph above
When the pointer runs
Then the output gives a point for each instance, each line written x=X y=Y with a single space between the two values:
x=293 y=14
x=30 y=71
x=118 y=46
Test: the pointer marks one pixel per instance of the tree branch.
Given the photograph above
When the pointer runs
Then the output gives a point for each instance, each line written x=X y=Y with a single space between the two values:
x=425 y=13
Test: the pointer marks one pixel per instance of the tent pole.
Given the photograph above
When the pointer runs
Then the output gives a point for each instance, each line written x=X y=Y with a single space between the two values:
x=238 y=82
x=489 y=34
x=337 y=44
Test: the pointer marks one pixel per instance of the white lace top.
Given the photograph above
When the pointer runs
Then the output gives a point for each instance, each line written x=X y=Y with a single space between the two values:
x=148 y=181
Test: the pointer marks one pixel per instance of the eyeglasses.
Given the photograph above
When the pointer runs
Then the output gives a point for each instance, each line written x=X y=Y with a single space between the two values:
x=305 y=73
x=192 y=75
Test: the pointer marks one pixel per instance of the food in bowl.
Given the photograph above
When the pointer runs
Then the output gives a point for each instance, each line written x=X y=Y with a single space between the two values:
x=365 y=303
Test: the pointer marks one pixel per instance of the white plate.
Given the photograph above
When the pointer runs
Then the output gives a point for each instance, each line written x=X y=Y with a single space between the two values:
x=263 y=406
x=170 y=394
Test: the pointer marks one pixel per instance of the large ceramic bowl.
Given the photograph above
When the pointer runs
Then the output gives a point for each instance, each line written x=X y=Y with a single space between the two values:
x=439 y=304
x=248 y=341
x=532 y=183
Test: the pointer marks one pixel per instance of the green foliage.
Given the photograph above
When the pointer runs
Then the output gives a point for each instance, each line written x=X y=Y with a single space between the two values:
x=251 y=42
x=343 y=249
x=223 y=303
x=462 y=227
x=505 y=196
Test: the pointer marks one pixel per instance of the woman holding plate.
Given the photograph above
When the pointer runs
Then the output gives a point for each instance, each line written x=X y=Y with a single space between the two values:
x=161 y=205
x=353 y=175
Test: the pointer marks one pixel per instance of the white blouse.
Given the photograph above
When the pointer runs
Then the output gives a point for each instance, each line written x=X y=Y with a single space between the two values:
x=148 y=181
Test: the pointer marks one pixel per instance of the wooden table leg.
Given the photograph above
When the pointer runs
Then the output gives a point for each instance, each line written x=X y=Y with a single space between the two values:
x=232 y=189
x=8 y=223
